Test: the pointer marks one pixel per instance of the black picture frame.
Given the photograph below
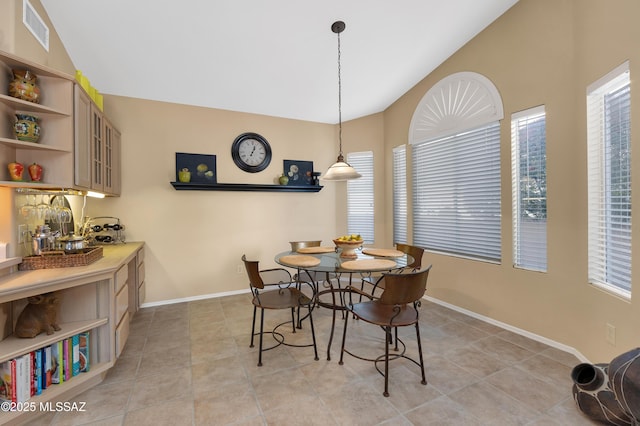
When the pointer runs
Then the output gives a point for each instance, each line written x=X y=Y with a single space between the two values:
x=201 y=166
x=299 y=172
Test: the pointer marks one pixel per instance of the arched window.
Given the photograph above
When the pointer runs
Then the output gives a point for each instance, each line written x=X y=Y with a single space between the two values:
x=455 y=138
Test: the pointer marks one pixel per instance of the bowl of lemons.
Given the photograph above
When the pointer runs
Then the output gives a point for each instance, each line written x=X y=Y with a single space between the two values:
x=348 y=244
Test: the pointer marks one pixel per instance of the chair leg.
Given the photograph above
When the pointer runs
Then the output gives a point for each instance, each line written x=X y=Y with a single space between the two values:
x=344 y=337
x=253 y=325
x=386 y=361
x=293 y=319
x=313 y=334
x=424 y=379
x=396 y=347
x=261 y=334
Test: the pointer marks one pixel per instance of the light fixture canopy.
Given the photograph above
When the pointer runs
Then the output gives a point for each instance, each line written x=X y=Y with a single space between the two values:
x=341 y=170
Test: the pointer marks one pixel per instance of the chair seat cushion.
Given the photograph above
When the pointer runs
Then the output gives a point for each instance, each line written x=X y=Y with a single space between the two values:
x=281 y=299
x=375 y=312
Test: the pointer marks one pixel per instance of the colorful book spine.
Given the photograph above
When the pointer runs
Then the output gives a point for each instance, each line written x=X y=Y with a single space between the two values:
x=8 y=381
x=57 y=375
x=75 y=355
x=37 y=367
x=84 y=351
x=46 y=369
x=66 y=358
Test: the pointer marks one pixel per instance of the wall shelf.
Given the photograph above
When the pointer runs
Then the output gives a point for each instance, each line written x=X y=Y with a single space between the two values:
x=247 y=187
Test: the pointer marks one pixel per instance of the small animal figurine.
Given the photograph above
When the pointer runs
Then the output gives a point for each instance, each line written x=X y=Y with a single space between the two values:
x=41 y=314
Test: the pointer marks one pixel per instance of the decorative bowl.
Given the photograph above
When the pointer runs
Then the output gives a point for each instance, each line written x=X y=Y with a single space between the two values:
x=348 y=247
x=295 y=245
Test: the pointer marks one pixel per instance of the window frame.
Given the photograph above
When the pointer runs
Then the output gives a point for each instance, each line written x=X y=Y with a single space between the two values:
x=602 y=266
x=529 y=226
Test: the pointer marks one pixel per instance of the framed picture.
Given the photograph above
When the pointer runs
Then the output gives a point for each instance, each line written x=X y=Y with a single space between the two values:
x=195 y=168
x=300 y=173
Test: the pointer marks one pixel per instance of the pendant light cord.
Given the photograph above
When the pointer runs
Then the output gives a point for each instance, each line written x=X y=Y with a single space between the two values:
x=339 y=99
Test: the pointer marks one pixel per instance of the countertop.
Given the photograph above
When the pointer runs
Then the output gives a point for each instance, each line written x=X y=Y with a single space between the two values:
x=33 y=282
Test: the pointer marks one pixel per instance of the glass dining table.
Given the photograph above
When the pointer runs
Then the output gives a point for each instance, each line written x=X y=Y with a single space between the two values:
x=326 y=271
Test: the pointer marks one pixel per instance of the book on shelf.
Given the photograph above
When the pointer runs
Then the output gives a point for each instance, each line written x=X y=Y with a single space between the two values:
x=75 y=355
x=83 y=344
x=66 y=359
x=8 y=381
x=23 y=378
x=36 y=372
x=46 y=367
x=57 y=373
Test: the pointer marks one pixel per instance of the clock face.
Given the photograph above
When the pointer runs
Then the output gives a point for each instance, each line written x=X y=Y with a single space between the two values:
x=251 y=152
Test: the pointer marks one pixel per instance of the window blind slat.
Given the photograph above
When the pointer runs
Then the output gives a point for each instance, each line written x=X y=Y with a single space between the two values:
x=400 y=194
x=456 y=196
x=360 y=211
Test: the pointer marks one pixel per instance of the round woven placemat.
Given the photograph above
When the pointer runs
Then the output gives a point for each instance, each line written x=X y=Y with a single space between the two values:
x=369 y=265
x=316 y=250
x=300 y=260
x=382 y=252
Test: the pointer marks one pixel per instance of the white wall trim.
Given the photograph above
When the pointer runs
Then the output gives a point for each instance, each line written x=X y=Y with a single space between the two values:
x=511 y=328
x=194 y=298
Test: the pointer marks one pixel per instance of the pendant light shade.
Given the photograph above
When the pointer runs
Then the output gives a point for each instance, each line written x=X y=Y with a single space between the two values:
x=341 y=170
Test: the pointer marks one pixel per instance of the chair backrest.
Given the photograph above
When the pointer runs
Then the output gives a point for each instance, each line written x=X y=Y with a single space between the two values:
x=403 y=288
x=253 y=271
x=413 y=251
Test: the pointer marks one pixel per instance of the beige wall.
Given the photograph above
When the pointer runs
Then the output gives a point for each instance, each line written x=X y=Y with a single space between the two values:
x=195 y=238
x=543 y=52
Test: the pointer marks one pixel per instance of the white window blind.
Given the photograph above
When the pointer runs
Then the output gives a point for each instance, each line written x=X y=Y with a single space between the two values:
x=456 y=193
x=360 y=219
x=529 y=188
x=609 y=169
x=400 y=194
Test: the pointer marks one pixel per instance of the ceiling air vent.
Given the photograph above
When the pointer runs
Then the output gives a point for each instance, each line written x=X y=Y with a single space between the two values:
x=35 y=24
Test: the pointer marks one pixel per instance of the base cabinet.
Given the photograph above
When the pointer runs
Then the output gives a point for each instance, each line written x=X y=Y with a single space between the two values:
x=94 y=299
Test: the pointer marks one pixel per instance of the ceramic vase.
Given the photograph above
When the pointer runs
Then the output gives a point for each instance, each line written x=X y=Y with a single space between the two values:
x=23 y=86
x=624 y=380
x=27 y=128
x=594 y=397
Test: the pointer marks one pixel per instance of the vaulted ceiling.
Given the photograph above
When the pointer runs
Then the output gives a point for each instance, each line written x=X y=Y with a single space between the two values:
x=276 y=57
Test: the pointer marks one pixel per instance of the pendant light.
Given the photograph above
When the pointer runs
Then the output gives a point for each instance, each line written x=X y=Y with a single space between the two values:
x=341 y=170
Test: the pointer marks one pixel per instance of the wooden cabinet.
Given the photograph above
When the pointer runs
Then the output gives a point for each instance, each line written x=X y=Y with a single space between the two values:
x=54 y=150
x=78 y=148
x=97 y=147
x=111 y=159
x=82 y=140
x=94 y=298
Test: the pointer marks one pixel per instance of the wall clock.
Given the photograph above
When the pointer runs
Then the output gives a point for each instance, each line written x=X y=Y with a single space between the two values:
x=251 y=152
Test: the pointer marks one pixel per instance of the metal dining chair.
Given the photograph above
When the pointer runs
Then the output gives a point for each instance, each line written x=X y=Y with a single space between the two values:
x=396 y=307
x=285 y=295
x=414 y=251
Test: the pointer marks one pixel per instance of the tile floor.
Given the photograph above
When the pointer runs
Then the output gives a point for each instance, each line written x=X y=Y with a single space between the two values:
x=190 y=364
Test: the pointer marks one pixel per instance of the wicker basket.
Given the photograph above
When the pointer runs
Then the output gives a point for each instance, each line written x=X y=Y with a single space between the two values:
x=59 y=259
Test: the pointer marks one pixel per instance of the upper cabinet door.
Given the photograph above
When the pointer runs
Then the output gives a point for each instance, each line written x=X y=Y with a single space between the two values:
x=83 y=139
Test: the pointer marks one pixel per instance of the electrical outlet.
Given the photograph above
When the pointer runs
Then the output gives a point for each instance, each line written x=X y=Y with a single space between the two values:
x=611 y=334
x=23 y=231
x=239 y=268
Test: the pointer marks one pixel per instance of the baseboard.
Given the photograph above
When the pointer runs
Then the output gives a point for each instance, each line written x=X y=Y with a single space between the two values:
x=194 y=298
x=511 y=328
